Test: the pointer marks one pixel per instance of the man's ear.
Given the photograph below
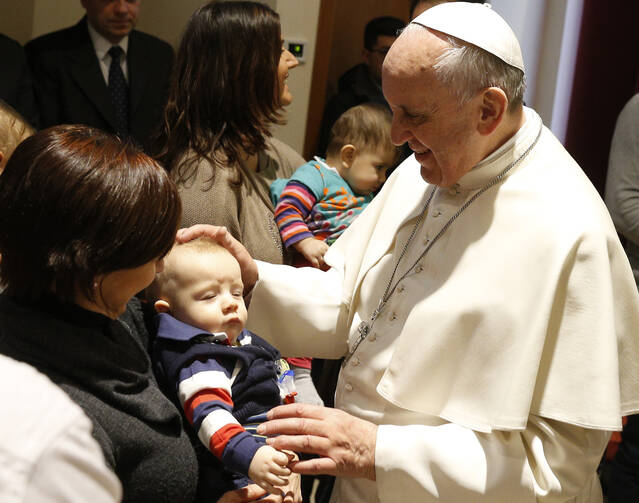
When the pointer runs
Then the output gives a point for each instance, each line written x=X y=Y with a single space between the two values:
x=162 y=306
x=493 y=106
x=347 y=155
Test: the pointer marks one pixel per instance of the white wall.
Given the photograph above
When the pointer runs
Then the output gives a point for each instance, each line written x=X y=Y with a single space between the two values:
x=299 y=21
x=16 y=19
x=548 y=33
x=526 y=18
x=52 y=15
x=166 y=18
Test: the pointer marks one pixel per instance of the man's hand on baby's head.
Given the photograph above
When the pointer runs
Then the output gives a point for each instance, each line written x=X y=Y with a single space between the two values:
x=269 y=468
x=313 y=251
x=223 y=237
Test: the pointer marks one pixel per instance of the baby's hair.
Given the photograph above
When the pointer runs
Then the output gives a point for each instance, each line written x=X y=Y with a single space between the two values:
x=364 y=126
x=156 y=290
x=13 y=129
x=203 y=244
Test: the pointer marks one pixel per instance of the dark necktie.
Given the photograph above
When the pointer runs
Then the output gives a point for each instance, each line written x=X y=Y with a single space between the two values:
x=119 y=92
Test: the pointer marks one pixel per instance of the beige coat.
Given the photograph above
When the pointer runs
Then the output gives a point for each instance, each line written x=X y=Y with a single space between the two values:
x=245 y=210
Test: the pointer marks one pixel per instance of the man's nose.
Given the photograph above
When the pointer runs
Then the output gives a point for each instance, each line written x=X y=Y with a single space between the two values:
x=120 y=6
x=399 y=133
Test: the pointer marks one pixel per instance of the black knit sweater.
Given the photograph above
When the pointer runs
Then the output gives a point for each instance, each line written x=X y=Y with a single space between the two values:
x=104 y=367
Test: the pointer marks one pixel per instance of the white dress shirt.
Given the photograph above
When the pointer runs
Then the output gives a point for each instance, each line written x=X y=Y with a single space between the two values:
x=47 y=451
x=101 y=46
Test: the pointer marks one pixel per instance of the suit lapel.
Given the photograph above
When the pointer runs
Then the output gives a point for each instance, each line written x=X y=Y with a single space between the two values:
x=136 y=55
x=85 y=70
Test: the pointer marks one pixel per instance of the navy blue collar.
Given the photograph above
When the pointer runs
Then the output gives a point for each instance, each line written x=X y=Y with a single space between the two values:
x=172 y=329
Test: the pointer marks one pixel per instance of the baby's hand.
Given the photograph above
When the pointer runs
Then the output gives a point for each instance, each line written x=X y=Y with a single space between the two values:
x=313 y=251
x=269 y=469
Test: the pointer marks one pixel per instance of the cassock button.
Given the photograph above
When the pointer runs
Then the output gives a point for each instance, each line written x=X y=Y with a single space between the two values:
x=419 y=268
x=348 y=387
x=373 y=337
x=355 y=361
x=436 y=213
x=400 y=289
x=393 y=316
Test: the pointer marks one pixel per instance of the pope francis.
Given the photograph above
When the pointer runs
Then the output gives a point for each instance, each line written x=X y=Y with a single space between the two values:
x=483 y=304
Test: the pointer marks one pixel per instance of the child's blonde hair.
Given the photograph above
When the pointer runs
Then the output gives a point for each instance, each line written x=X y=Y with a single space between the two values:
x=13 y=129
x=156 y=290
x=364 y=126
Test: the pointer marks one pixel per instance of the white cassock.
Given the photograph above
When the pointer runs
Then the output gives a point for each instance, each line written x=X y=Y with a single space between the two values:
x=504 y=358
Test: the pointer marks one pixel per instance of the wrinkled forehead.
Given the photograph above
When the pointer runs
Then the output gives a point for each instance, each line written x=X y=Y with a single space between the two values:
x=414 y=52
x=184 y=264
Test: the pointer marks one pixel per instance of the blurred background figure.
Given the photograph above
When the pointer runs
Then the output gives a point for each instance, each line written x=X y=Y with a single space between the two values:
x=102 y=72
x=13 y=129
x=16 y=86
x=363 y=82
x=620 y=473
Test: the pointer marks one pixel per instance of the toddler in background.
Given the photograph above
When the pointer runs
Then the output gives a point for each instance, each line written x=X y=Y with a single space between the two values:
x=13 y=129
x=323 y=197
x=222 y=375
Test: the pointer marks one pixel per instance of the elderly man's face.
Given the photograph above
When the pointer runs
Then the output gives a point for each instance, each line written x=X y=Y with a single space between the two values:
x=113 y=19
x=426 y=114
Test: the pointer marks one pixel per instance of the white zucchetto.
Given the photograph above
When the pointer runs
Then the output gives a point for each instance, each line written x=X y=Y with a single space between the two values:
x=477 y=24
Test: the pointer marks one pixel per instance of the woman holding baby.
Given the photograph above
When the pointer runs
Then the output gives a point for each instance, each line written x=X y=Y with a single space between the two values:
x=85 y=220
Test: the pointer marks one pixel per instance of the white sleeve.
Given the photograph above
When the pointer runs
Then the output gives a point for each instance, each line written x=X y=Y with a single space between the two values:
x=72 y=469
x=549 y=462
x=301 y=311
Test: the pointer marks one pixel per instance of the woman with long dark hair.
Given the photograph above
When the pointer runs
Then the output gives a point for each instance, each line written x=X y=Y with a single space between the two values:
x=228 y=89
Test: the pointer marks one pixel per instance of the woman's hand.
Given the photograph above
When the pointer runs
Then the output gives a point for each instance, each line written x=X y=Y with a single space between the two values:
x=345 y=444
x=223 y=237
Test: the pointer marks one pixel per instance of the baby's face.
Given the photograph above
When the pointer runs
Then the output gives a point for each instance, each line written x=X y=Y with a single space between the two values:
x=208 y=291
x=368 y=171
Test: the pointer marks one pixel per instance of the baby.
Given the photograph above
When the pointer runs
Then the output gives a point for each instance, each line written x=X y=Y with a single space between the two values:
x=224 y=377
x=323 y=197
x=13 y=129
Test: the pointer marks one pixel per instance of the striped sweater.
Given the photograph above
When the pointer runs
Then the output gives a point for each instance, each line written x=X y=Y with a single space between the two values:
x=219 y=387
x=316 y=202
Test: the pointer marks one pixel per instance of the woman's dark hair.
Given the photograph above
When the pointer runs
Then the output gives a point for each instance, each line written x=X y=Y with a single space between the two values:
x=76 y=203
x=224 y=91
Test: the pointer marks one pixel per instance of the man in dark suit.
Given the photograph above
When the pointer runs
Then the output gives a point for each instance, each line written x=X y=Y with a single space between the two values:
x=101 y=72
x=15 y=84
x=363 y=82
